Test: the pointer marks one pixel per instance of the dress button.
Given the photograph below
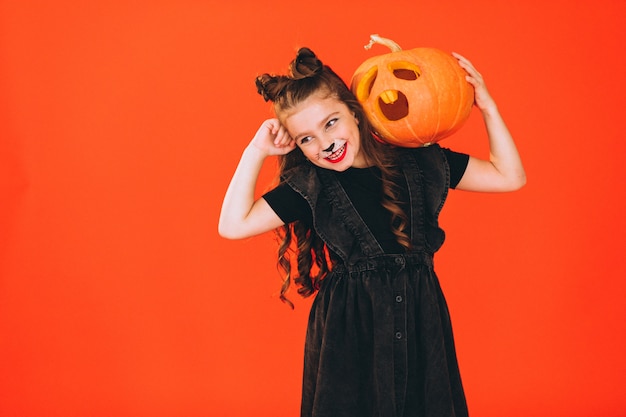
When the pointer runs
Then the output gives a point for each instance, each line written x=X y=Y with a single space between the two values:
x=398 y=261
x=398 y=335
x=398 y=298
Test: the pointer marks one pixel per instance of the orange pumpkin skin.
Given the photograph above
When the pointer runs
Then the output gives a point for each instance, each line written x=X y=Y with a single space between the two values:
x=415 y=97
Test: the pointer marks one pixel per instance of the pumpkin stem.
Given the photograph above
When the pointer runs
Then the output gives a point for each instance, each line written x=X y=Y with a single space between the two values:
x=383 y=41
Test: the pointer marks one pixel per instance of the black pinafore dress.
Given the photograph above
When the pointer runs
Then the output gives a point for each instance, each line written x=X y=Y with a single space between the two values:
x=379 y=340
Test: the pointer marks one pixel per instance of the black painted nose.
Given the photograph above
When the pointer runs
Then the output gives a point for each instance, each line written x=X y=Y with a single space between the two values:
x=330 y=148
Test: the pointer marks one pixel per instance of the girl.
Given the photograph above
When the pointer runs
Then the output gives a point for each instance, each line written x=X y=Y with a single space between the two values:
x=361 y=217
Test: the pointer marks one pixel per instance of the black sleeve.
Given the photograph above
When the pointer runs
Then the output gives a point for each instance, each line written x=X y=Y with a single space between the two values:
x=457 y=163
x=288 y=204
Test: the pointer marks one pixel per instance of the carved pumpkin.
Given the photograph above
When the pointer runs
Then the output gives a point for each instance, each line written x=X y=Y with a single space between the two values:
x=413 y=98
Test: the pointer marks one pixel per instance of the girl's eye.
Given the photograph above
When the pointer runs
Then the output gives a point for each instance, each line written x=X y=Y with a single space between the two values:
x=305 y=140
x=331 y=123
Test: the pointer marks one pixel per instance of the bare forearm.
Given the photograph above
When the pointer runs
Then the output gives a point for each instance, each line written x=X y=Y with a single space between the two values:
x=239 y=197
x=503 y=153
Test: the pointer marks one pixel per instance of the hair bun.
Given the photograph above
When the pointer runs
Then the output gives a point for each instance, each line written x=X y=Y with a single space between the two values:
x=306 y=64
x=270 y=86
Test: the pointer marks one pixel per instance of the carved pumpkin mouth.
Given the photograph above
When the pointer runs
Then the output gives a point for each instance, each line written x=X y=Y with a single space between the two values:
x=394 y=105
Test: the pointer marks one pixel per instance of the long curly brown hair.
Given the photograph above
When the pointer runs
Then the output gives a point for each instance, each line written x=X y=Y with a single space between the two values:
x=307 y=76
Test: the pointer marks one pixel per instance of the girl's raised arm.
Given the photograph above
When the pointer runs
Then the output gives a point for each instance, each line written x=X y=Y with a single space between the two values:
x=242 y=216
x=504 y=170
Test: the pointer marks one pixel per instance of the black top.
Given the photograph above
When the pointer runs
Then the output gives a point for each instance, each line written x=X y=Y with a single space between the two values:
x=363 y=186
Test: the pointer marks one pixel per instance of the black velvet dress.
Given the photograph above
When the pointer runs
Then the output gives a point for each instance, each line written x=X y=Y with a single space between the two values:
x=379 y=340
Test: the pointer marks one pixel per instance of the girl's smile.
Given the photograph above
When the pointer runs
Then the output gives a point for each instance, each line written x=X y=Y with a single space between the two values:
x=338 y=155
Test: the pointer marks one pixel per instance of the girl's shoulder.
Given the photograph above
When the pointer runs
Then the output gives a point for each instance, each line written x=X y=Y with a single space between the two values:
x=435 y=158
x=436 y=151
x=431 y=153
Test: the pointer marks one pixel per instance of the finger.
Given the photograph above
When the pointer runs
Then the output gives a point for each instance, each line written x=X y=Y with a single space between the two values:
x=465 y=63
x=458 y=56
x=282 y=138
x=462 y=60
x=290 y=145
x=472 y=73
x=275 y=126
x=467 y=66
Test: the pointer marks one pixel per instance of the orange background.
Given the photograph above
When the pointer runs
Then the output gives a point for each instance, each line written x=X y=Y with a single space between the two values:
x=122 y=121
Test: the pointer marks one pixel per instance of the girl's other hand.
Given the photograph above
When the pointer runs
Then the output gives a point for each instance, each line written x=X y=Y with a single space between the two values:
x=482 y=98
x=272 y=139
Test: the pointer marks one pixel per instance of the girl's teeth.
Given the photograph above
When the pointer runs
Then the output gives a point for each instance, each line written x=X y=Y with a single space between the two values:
x=337 y=153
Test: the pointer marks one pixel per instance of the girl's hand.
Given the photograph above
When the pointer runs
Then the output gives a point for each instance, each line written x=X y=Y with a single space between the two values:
x=272 y=139
x=482 y=98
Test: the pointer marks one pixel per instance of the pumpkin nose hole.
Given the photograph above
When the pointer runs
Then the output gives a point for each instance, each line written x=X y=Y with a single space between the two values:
x=396 y=110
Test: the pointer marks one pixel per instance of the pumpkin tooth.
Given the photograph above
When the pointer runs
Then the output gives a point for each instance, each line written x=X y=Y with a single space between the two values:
x=389 y=96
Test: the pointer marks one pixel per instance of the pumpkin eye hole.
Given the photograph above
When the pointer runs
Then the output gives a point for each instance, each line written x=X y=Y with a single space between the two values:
x=405 y=70
x=364 y=88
